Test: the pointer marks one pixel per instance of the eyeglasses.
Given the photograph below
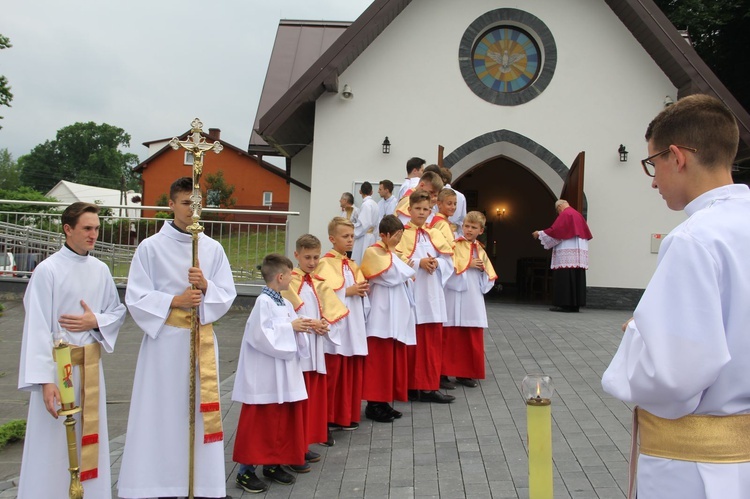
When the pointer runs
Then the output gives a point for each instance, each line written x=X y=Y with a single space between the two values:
x=648 y=164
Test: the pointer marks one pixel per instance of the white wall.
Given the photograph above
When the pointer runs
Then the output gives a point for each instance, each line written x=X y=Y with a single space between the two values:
x=605 y=90
x=299 y=200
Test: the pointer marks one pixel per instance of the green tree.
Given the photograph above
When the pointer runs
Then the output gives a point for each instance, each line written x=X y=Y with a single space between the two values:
x=5 y=95
x=85 y=153
x=217 y=189
x=10 y=173
x=720 y=31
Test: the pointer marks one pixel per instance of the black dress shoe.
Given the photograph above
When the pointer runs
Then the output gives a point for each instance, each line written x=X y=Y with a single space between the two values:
x=471 y=383
x=393 y=412
x=436 y=396
x=377 y=412
x=446 y=383
x=413 y=395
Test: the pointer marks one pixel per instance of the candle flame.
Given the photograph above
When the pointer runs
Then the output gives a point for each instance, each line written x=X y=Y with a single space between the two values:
x=538 y=390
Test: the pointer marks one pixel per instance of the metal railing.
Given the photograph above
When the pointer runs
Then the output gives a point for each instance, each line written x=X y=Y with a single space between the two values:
x=246 y=235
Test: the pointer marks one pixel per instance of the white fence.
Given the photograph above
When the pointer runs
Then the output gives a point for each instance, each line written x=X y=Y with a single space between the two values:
x=246 y=235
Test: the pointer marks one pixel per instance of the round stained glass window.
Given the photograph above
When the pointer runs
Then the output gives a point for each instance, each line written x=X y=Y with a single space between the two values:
x=506 y=59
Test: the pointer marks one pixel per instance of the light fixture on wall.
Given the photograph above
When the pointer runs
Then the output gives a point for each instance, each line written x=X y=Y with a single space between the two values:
x=346 y=93
x=668 y=101
x=386 y=146
x=500 y=212
x=623 y=153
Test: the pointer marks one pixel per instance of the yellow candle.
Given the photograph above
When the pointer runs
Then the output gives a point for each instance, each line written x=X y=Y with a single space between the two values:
x=539 y=439
x=64 y=374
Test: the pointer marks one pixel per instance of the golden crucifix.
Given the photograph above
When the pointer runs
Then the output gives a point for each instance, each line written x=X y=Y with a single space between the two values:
x=195 y=144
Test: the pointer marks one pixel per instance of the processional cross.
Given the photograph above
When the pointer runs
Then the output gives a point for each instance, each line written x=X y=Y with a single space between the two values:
x=197 y=145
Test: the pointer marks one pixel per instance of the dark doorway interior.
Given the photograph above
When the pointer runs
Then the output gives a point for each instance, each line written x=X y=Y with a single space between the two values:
x=516 y=203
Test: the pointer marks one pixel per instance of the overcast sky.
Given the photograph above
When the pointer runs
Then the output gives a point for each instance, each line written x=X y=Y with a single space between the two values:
x=148 y=67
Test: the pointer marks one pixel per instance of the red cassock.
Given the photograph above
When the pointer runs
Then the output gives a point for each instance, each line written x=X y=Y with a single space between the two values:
x=344 y=380
x=463 y=352
x=316 y=416
x=425 y=358
x=271 y=434
x=386 y=375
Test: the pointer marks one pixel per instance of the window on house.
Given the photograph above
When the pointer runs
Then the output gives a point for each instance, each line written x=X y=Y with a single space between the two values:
x=267 y=198
x=189 y=159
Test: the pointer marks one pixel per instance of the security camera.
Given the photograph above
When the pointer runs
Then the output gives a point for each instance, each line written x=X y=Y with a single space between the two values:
x=346 y=93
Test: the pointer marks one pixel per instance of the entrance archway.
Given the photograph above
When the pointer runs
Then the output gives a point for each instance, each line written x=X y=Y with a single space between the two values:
x=514 y=181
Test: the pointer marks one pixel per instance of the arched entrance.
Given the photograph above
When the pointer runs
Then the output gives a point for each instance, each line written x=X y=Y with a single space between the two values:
x=514 y=181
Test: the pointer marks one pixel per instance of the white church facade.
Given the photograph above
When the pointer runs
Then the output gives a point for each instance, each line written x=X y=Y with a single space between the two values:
x=513 y=91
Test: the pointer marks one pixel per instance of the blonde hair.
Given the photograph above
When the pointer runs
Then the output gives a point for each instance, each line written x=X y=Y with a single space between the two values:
x=337 y=221
x=476 y=217
x=308 y=241
x=446 y=193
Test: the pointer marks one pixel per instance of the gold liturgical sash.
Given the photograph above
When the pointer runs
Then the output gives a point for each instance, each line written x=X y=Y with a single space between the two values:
x=408 y=243
x=463 y=253
x=209 y=379
x=698 y=438
x=87 y=357
x=331 y=269
x=330 y=306
x=376 y=260
x=439 y=222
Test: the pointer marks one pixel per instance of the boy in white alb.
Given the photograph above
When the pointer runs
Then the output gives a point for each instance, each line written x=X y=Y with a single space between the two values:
x=70 y=295
x=684 y=356
x=463 y=332
x=344 y=362
x=160 y=293
x=312 y=297
x=432 y=256
x=269 y=381
x=390 y=323
x=366 y=224
x=431 y=183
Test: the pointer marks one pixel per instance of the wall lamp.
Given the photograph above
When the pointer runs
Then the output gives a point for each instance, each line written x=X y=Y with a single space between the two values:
x=668 y=101
x=623 y=153
x=386 y=146
x=500 y=212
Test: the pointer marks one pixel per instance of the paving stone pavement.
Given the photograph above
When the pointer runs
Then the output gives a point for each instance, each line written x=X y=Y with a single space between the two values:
x=474 y=447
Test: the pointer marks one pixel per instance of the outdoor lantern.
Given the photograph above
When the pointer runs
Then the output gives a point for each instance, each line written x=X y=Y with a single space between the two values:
x=623 y=153
x=537 y=390
x=386 y=146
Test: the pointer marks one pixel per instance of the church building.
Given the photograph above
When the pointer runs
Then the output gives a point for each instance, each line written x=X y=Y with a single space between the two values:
x=516 y=93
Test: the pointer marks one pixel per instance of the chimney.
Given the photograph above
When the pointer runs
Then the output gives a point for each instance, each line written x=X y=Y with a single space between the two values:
x=214 y=133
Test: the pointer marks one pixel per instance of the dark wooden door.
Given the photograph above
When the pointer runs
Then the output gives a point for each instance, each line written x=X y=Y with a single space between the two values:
x=572 y=190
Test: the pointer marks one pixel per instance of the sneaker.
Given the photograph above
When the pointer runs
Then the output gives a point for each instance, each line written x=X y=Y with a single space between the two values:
x=249 y=482
x=312 y=457
x=446 y=383
x=352 y=426
x=300 y=468
x=277 y=474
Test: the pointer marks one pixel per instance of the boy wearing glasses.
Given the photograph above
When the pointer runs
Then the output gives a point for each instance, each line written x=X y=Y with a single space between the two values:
x=684 y=356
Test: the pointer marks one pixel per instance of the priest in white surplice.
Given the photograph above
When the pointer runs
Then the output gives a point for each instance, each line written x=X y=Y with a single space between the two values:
x=70 y=294
x=685 y=355
x=155 y=459
x=365 y=228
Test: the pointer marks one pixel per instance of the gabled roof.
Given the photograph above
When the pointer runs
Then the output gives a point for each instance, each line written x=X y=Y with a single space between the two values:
x=65 y=191
x=263 y=164
x=288 y=124
x=297 y=46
